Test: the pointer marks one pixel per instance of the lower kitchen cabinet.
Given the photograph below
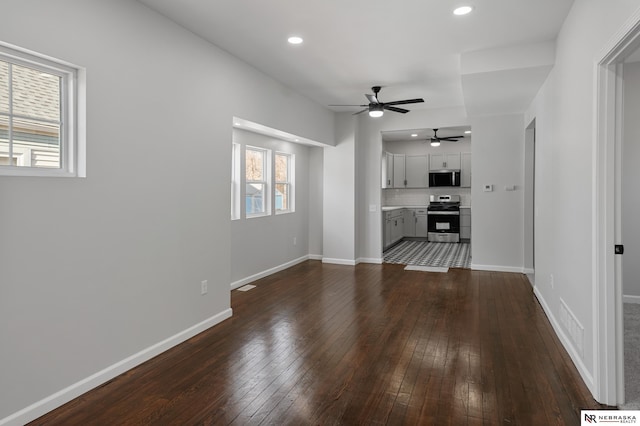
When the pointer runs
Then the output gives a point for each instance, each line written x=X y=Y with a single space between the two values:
x=409 y=222
x=465 y=223
x=393 y=227
x=422 y=225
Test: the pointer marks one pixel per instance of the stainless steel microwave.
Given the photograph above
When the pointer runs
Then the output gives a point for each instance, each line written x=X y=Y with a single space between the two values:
x=444 y=178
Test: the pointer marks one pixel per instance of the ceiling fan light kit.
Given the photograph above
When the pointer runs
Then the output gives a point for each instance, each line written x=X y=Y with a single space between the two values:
x=375 y=111
x=377 y=108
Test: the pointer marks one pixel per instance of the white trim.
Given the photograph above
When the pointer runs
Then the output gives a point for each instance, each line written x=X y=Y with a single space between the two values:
x=339 y=261
x=496 y=268
x=67 y=394
x=528 y=271
x=566 y=342
x=315 y=257
x=631 y=299
x=374 y=260
x=267 y=272
x=608 y=346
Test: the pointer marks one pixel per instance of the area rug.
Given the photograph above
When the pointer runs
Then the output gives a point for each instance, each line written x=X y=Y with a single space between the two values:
x=421 y=253
x=631 y=356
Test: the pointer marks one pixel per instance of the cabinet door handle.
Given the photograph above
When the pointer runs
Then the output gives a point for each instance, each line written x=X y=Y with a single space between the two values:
x=444 y=164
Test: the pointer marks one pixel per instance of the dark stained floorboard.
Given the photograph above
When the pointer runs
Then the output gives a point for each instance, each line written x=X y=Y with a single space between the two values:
x=322 y=344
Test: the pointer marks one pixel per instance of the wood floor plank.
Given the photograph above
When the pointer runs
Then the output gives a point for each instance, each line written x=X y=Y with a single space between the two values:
x=371 y=344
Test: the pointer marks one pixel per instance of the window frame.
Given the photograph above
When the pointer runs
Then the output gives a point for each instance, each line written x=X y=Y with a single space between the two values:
x=72 y=113
x=289 y=182
x=266 y=181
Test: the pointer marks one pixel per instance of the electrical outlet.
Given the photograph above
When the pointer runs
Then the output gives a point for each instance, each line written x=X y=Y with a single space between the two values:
x=204 y=287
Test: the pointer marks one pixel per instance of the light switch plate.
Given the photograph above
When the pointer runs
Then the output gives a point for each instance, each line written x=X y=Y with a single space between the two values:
x=488 y=188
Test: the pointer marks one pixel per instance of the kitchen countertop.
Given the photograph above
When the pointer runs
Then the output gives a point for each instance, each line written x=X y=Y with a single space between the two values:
x=391 y=208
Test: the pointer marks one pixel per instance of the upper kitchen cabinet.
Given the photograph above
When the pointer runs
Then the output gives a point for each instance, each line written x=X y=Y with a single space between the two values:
x=465 y=170
x=399 y=179
x=416 y=171
x=444 y=161
x=405 y=171
x=387 y=170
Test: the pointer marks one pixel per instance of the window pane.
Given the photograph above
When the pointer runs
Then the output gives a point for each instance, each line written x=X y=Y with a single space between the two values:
x=282 y=196
x=38 y=143
x=282 y=168
x=4 y=87
x=254 y=198
x=35 y=93
x=254 y=165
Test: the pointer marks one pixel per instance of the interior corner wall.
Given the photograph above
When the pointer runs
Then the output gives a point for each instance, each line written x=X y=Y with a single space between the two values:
x=339 y=203
x=100 y=269
x=564 y=195
x=630 y=183
x=263 y=243
x=497 y=215
x=316 y=177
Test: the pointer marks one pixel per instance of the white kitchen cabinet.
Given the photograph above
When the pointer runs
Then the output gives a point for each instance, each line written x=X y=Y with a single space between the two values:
x=399 y=180
x=465 y=170
x=421 y=223
x=393 y=227
x=465 y=223
x=409 y=223
x=444 y=161
x=416 y=171
x=387 y=170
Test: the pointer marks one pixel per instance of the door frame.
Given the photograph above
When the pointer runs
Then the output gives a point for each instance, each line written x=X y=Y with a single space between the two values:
x=608 y=342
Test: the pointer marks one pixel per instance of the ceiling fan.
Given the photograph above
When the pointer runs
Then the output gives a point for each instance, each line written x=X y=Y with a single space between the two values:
x=376 y=108
x=437 y=139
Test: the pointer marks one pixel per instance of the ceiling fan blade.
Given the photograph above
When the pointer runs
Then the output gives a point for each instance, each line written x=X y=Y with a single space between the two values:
x=372 y=99
x=406 y=101
x=452 y=137
x=349 y=105
x=360 y=112
x=394 y=109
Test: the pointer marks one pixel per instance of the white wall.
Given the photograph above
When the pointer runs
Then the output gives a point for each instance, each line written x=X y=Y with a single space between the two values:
x=631 y=182
x=262 y=243
x=339 y=186
x=316 y=191
x=564 y=113
x=497 y=217
x=96 y=270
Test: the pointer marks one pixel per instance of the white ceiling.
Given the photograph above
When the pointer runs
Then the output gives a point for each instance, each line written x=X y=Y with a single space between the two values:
x=412 y=48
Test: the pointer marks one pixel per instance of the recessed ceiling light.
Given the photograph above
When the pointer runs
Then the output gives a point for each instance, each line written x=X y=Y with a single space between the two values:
x=295 y=40
x=462 y=10
x=468 y=132
x=414 y=135
x=435 y=143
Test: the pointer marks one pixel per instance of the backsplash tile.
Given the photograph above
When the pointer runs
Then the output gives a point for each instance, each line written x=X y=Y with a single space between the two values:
x=420 y=197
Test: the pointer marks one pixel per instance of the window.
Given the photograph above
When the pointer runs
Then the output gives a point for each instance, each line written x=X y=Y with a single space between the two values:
x=256 y=182
x=283 y=183
x=39 y=110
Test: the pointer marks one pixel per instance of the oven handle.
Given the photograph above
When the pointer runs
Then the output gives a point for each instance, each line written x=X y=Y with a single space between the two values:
x=445 y=213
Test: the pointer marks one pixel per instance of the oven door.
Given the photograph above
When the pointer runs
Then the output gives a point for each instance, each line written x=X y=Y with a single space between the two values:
x=443 y=226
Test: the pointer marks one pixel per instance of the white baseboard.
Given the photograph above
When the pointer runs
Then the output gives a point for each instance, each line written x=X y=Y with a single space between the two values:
x=496 y=268
x=60 y=398
x=567 y=343
x=528 y=271
x=348 y=262
x=376 y=260
x=266 y=273
x=315 y=257
x=630 y=299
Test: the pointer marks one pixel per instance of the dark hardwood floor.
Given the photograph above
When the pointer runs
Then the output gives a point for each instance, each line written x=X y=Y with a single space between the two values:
x=337 y=345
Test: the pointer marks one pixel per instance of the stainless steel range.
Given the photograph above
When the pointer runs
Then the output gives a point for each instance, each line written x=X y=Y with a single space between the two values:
x=443 y=223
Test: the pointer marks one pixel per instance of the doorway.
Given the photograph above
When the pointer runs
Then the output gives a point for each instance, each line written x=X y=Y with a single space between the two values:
x=608 y=214
x=529 y=200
